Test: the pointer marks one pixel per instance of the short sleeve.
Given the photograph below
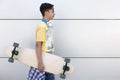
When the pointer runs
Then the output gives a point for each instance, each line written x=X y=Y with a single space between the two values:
x=40 y=34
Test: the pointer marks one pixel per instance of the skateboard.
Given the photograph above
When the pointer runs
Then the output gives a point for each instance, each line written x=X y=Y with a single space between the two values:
x=53 y=63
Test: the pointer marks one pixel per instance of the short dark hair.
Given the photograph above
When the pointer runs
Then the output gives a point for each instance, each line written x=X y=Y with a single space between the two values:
x=45 y=7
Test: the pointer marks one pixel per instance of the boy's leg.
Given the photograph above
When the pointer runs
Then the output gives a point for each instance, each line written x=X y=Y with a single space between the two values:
x=49 y=76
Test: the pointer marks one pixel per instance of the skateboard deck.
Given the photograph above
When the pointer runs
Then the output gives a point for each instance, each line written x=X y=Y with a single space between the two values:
x=53 y=64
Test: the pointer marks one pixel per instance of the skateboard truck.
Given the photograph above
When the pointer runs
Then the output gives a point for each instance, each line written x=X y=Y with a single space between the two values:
x=14 y=52
x=65 y=68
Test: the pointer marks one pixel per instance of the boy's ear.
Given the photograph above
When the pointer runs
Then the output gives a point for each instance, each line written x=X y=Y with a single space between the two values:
x=47 y=12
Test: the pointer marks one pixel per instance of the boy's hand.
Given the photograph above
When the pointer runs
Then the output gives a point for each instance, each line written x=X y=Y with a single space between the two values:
x=41 y=67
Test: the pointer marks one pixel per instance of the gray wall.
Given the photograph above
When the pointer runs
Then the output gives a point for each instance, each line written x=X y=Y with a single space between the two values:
x=86 y=30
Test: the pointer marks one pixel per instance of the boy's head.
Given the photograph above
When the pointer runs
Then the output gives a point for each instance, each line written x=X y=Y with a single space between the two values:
x=47 y=10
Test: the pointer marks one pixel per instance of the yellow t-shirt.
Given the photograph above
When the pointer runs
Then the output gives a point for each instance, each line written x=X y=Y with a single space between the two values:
x=44 y=33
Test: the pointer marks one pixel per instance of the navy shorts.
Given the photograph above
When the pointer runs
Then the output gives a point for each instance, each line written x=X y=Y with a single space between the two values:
x=49 y=76
x=35 y=74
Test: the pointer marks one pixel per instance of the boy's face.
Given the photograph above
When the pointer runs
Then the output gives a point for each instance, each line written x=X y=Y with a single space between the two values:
x=50 y=14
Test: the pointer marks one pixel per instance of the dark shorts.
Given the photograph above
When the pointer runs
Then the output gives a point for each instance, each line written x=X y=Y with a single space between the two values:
x=35 y=74
x=49 y=76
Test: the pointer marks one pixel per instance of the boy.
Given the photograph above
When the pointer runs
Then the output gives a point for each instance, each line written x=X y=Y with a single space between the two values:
x=43 y=43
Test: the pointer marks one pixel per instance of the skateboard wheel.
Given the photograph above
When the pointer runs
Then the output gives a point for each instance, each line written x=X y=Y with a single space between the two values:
x=11 y=60
x=67 y=60
x=16 y=52
x=66 y=68
x=15 y=44
x=62 y=76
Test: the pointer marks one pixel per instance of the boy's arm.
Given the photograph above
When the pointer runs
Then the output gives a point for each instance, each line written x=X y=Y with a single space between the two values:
x=39 y=55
